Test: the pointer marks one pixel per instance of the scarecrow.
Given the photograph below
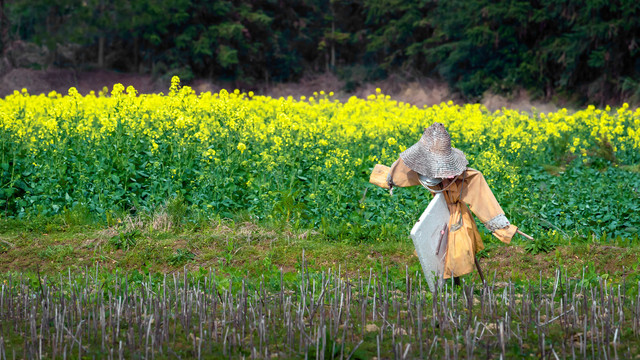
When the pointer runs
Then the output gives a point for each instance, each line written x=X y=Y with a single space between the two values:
x=441 y=169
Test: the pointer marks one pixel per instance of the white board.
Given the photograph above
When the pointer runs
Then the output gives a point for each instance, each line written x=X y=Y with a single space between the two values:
x=430 y=243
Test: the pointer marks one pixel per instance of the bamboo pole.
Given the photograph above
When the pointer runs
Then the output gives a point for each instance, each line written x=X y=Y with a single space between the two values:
x=528 y=237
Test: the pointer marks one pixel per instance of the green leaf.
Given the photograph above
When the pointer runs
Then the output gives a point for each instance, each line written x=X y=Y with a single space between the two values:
x=227 y=56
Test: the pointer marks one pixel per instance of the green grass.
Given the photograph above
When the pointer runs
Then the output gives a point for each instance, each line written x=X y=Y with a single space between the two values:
x=632 y=168
x=56 y=252
x=249 y=250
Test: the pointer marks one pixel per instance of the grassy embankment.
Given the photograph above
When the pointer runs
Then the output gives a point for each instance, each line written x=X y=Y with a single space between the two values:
x=248 y=250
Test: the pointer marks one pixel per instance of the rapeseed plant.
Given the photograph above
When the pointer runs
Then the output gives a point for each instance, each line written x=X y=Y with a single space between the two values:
x=230 y=151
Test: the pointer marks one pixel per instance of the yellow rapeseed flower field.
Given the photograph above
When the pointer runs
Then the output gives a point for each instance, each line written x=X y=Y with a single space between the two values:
x=305 y=161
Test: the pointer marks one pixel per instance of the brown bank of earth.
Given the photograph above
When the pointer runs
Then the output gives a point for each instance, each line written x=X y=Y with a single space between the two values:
x=416 y=91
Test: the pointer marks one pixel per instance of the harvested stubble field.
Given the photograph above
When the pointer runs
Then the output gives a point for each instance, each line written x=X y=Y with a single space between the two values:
x=314 y=315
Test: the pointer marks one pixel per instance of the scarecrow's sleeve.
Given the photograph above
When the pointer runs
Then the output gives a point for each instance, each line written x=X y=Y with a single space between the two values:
x=483 y=203
x=402 y=176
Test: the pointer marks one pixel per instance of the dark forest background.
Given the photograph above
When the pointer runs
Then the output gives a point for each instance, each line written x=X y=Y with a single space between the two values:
x=583 y=51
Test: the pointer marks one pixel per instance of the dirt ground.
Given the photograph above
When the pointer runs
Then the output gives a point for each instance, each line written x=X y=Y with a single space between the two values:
x=419 y=92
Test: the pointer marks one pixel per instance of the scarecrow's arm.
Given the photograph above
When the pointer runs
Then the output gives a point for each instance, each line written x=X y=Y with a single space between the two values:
x=402 y=176
x=483 y=203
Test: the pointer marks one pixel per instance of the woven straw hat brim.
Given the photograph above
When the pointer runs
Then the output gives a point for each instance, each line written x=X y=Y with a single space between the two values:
x=433 y=165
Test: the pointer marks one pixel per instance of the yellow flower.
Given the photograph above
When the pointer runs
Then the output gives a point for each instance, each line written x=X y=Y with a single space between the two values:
x=175 y=81
x=131 y=91
x=117 y=89
x=242 y=147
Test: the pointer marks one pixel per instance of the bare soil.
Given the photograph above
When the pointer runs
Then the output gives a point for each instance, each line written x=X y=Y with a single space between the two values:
x=416 y=91
x=60 y=80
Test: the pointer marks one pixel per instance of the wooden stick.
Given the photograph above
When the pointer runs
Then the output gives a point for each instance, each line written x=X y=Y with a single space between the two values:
x=529 y=237
x=475 y=259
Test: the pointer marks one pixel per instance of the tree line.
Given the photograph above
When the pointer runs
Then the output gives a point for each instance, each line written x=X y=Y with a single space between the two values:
x=583 y=50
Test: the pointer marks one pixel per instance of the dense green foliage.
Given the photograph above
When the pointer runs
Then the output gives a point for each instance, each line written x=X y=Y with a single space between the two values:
x=550 y=47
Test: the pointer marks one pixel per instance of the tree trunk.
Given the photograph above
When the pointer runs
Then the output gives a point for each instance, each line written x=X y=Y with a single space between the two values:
x=4 y=28
x=333 y=44
x=101 y=52
x=136 y=56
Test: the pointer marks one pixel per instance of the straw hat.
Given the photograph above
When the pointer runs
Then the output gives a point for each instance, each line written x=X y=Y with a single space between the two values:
x=433 y=156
